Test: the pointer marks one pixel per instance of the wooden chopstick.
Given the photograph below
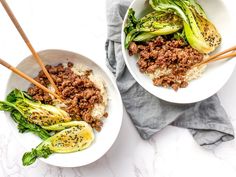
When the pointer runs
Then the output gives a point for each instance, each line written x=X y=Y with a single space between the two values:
x=23 y=35
x=219 y=56
x=230 y=55
x=23 y=75
x=221 y=53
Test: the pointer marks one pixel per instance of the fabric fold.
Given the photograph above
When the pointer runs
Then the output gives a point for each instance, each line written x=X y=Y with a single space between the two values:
x=206 y=120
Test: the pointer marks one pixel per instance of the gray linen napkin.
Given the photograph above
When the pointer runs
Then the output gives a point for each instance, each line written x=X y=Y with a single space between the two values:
x=206 y=120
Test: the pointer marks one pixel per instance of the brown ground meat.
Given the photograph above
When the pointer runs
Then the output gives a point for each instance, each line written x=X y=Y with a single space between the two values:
x=79 y=92
x=161 y=53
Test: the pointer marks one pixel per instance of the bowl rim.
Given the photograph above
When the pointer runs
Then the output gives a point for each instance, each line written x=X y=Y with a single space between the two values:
x=120 y=103
x=146 y=87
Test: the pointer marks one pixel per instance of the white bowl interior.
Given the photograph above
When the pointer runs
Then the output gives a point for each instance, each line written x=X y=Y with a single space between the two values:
x=216 y=74
x=103 y=140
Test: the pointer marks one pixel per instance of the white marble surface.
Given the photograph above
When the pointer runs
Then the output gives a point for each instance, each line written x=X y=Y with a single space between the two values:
x=80 y=26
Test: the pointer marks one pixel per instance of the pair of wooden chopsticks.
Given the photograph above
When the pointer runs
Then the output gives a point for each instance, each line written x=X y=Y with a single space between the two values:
x=34 y=53
x=23 y=75
x=216 y=57
x=226 y=54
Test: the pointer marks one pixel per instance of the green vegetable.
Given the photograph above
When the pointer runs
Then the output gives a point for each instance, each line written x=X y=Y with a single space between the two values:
x=198 y=8
x=168 y=6
x=72 y=139
x=62 y=126
x=131 y=22
x=23 y=124
x=153 y=24
x=201 y=34
x=35 y=112
x=180 y=36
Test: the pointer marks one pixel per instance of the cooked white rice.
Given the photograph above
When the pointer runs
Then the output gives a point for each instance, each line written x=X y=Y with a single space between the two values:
x=191 y=74
x=158 y=73
x=195 y=73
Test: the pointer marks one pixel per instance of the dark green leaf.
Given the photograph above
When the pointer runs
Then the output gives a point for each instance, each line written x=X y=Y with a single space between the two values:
x=25 y=126
x=131 y=21
x=153 y=24
x=30 y=157
x=14 y=95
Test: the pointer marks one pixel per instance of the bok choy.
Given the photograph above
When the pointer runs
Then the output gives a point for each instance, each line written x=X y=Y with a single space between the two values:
x=200 y=33
x=153 y=24
x=76 y=138
x=34 y=112
x=174 y=17
x=25 y=126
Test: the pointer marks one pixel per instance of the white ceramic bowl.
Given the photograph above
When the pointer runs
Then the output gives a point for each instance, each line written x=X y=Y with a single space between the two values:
x=221 y=13
x=103 y=140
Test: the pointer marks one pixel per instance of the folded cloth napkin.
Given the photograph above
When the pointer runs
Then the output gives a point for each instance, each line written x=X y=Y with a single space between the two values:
x=206 y=120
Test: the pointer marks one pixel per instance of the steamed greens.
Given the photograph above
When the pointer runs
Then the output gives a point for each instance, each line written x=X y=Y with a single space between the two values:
x=174 y=17
x=153 y=24
x=200 y=32
x=53 y=125
x=62 y=126
x=23 y=124
x=35 y=112
x=30 y=115
x=76 y=138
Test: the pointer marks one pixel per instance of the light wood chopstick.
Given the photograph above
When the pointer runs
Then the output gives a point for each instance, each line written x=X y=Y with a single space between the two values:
x=221 y=53
x=23 y=75
x=220 y=56
x=25 y=38
x=230 y=55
